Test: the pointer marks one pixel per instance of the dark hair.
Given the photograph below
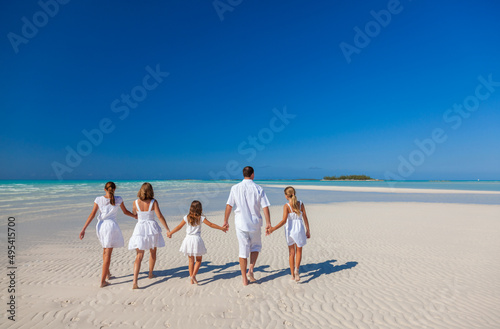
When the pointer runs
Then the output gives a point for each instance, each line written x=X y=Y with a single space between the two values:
x=194 y=215
x=247 y=171
x=146 y=192
x=111 y=187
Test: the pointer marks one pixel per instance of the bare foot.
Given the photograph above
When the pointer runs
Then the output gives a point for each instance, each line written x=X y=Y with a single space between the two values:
x=193 y=280
x=110 y=276
x=297 y=277
x=293 y=277
x=104 y=284
x=152 y=276
x=251 y=277
x=245 y=281
x=135 y=286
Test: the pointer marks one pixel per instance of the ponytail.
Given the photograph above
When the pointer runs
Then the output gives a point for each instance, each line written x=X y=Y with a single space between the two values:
x=111 y=196
x=110 y=188
x=295 y=205
x=290 y=192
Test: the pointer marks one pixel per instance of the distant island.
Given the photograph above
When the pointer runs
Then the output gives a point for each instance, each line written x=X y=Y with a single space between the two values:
x=349 y=177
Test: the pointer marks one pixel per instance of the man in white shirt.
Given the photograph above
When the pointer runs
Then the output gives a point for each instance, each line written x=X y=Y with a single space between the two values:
x=248 y=198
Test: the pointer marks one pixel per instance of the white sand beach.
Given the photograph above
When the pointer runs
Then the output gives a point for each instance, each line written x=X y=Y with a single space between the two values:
x=367 y=265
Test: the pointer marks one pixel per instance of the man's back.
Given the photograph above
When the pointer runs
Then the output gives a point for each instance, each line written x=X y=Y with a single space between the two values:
x=247 y=198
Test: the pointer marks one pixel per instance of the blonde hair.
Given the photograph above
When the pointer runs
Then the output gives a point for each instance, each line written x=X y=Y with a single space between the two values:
x=290 y=192
x=110 y=187
x=194 y=215
x=146 y=192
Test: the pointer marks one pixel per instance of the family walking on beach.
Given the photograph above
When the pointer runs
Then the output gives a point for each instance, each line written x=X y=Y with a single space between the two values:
x=246 y=198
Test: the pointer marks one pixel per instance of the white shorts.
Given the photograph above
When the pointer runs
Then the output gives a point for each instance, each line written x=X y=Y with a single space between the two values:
x=248 y=242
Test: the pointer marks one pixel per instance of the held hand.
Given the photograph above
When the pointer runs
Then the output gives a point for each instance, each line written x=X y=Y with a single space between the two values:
x=169 y=234
x=268 y=226
x=82 y=234
x=308 y=234
x=226 y=225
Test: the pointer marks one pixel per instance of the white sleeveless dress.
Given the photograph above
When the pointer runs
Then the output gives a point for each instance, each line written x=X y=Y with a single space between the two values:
x=107 y=229
x=147 y=232
x=193 y=244
x=295 y=231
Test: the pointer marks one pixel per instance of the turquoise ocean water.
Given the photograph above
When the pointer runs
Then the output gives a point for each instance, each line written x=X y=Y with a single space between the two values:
x=67 y=204
x=176 y=195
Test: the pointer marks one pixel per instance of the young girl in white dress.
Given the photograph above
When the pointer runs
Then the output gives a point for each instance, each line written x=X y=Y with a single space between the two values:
x=147 y=232
x=295 y=218
x=107 y=228
x=193 y=245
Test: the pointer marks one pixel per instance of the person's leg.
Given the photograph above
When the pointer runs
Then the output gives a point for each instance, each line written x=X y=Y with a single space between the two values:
x=106 y=260
x=191 y=268
x=253 y=261
x=152 y=261
x=243 y=268
x=291 y=259
x=255 y=247
x=298 y=257
x=196 y=268
x=137 y=267
x=244 y=253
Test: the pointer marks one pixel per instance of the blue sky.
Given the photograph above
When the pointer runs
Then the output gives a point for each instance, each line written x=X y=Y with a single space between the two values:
x=233 y=71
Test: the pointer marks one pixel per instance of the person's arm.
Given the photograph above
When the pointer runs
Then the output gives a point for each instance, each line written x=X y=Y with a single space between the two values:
x=91 y=217
x=306 y=221
x=226 y=216
x=267 y=215
x=126 y=212
x=212 y=225
x=158 y=213
x=280 y=224
x=264 y=203
x=177 y=228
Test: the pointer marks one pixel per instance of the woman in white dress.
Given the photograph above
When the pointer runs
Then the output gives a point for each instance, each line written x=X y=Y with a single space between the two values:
x=107 y=228
x=193 y=245
x=295 y=218
x=147 y=232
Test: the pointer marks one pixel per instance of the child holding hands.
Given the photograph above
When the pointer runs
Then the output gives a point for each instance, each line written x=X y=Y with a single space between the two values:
x=147 y=232
x=107 y=228
x=193 y=245
x=295 y=218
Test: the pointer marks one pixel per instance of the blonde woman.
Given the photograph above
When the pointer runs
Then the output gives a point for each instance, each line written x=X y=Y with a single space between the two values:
x=107 y=228
x=147 y=232
x=193 y=245
x=295 y=218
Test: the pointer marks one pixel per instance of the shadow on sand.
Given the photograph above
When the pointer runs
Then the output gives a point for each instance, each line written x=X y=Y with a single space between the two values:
x=221 y=272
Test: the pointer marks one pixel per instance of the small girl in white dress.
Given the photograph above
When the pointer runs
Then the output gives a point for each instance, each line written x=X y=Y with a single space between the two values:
x=193 y=245
x=147 y=232
x=294 y=215
x=107 y=228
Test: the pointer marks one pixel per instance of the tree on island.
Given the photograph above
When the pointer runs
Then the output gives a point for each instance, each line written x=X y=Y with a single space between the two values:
x=348 y=177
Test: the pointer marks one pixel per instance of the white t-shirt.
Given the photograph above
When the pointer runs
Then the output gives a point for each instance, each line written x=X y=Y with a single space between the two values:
x=106 y=209
x=247 y=198
x=193 y=230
